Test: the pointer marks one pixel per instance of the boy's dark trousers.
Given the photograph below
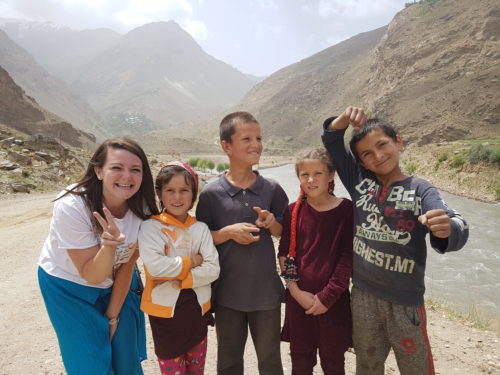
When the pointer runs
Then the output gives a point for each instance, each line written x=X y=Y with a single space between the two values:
x=380 y=325
x=232 y=332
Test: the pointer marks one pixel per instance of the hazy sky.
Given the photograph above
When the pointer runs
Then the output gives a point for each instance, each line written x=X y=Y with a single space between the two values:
x=255 y=36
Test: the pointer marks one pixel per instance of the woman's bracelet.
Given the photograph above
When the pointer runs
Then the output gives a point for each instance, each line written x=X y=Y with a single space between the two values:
x=114 y=321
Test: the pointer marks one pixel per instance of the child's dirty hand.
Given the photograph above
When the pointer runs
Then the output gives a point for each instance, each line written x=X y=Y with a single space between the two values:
x=266 y=219
x=357 y=117
x=352 y=115
x=438 y=223
x=317 y=308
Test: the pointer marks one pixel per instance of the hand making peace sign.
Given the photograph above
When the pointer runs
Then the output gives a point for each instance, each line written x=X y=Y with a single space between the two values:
x=111 y=235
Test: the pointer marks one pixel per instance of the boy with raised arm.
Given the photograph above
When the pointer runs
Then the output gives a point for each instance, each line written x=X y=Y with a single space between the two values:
x=393 y=212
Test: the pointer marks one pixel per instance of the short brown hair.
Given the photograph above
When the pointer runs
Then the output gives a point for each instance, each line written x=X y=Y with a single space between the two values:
x=229 y=122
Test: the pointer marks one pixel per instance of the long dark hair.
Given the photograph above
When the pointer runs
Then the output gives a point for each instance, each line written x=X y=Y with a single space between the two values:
x=89 y=187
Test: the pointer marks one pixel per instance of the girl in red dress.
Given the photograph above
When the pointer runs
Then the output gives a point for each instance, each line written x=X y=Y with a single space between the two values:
x=315 y=255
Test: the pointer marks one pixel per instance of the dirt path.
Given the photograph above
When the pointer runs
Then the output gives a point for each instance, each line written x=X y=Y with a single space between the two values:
x=29 y=346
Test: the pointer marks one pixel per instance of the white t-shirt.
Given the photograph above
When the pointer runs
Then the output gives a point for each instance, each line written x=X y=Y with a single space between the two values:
x=71 y=228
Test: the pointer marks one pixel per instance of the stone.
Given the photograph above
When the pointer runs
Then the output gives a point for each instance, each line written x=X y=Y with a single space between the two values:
x=8 y=165
x=18 y=187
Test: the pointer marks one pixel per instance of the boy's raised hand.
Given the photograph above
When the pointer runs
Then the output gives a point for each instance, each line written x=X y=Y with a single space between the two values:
x=357 y=117
x=266 y=219
x=352 y=115
x=437 y=221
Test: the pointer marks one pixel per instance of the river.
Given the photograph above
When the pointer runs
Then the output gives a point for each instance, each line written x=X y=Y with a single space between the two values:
x=467 y=280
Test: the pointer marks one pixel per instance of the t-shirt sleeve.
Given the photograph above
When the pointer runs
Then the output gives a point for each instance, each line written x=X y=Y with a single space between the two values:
x=73 y=224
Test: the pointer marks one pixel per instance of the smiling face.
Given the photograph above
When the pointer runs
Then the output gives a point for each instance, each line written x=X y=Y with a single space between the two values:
x=177 y=197
x=245 y=147
x=379 y=153
x=314 y=177
x=121 y=176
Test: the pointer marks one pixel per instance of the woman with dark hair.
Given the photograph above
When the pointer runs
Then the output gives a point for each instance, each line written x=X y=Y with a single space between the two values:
x=87 y=272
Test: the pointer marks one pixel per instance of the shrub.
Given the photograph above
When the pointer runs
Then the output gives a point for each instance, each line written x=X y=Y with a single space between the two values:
x=221 y=167
x=410 y=167
x=484 y=154
x=479 y=153
x=442 y=157
x=495 y=156
x=210 y=164
x=458 y=161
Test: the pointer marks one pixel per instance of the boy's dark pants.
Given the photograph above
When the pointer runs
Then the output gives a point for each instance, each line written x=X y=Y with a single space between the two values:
x=232 y=332
x=379 y=325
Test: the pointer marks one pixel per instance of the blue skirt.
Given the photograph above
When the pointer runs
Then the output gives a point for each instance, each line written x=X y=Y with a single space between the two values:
x=77 y=314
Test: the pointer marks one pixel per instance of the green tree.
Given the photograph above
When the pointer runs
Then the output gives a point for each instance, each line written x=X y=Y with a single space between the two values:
x=202 y=164
x=221 y=167
x=193 y=162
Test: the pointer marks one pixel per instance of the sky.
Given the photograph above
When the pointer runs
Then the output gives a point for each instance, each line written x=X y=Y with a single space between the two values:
x=255 y=36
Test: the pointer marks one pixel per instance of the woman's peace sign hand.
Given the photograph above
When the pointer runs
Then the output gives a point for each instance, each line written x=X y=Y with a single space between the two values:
x=111 y=235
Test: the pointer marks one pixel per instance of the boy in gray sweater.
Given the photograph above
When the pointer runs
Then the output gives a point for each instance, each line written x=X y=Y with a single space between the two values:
x=393 y=213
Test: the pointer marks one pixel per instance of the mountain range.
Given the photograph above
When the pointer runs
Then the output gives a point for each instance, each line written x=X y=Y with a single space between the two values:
x=433 y=72
x=153 y=77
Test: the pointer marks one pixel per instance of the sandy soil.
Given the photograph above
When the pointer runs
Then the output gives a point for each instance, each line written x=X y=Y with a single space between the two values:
x=29 y=345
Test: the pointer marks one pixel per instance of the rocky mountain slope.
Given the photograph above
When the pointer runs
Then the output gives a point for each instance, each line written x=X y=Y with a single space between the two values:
x=151 y=78
x=50 y=92
x=433 y=72
x=22 y=113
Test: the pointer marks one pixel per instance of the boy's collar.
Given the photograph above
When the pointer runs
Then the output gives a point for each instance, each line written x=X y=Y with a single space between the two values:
x=168 y=219
x=232 y=190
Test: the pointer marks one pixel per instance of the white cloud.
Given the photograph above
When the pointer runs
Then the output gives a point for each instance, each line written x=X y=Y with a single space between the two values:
x=266 y=4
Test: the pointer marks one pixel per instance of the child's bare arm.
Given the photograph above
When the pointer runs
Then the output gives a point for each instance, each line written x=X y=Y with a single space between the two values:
x=437 y=221
x=239 y=232
x=281 y=261
x=305 y=299
x=352 y=115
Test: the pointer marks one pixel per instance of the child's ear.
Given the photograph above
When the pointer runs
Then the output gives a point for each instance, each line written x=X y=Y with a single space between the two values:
x=400 y=143
x=226 y=147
